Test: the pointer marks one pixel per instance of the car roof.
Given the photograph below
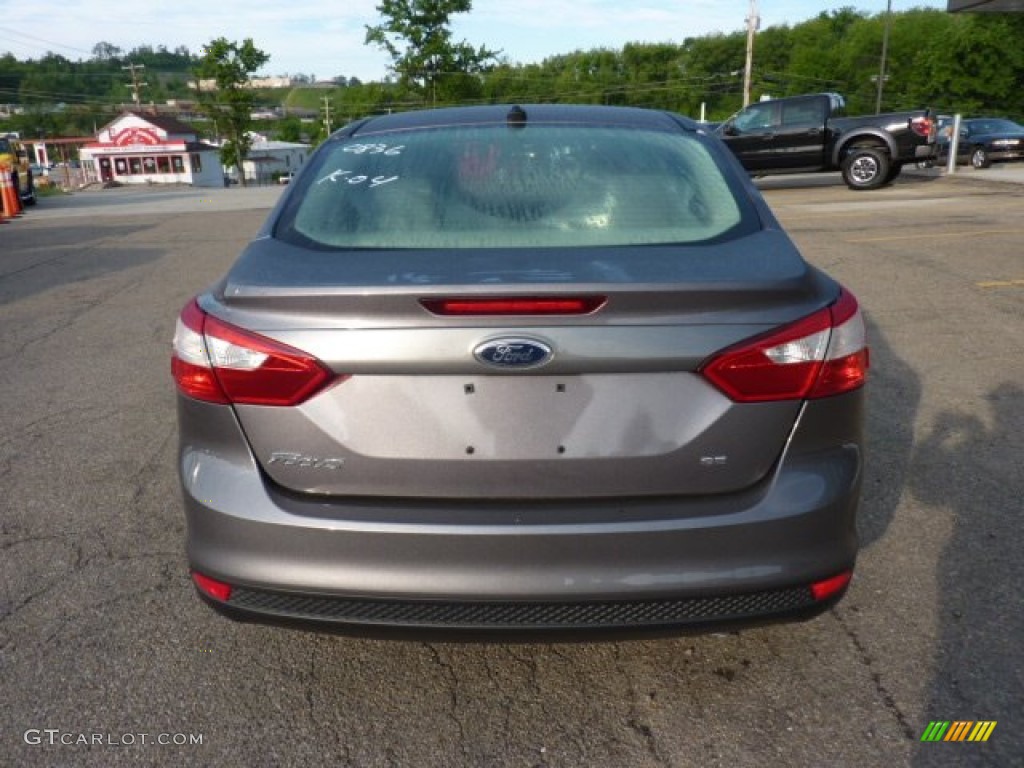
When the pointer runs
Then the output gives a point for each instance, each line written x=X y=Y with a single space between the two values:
x=988 y=120
x=991 y=124
x=632 y=117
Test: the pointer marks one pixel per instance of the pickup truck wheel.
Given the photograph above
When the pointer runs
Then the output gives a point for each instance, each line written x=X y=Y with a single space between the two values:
x=894 y=171
x=979 y=158
x=866 y=168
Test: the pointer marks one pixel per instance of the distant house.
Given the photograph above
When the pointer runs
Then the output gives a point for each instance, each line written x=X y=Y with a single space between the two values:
x=210 y=84
x=150 y=149
x=270 y=82
x=267 y=160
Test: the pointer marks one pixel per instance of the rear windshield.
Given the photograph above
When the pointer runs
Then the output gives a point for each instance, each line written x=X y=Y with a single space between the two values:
x=542 y=185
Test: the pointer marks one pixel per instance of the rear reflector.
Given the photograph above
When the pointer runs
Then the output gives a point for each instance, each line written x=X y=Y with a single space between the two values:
x=220 y=363
x=826 y=588
x=823 y=354
x=516 y=305
x=215 y=589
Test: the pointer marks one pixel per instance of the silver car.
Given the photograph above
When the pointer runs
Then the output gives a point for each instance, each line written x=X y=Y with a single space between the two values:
x=541 y=370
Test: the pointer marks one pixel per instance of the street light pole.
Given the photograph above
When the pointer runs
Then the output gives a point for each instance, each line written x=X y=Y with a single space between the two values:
x=885 y=51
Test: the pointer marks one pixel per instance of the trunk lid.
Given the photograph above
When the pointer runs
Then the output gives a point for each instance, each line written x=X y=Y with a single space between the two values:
x=617 y=407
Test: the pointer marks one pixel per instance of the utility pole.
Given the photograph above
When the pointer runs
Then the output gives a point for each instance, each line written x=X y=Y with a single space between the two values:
x=885 y=51
x=327 y=114
x=753 y=24
x=135 y=83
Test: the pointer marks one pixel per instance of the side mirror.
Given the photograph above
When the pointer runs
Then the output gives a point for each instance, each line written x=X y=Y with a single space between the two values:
x=729 y=128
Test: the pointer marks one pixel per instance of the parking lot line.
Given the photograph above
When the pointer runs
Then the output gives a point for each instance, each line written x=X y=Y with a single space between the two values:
x=934 y=235
x=1001 y=284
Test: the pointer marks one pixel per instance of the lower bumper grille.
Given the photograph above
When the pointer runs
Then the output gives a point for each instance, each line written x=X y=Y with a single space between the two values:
x=522 y=615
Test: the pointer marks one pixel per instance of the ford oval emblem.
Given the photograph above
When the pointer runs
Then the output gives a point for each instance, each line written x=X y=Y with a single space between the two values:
x=513 y=353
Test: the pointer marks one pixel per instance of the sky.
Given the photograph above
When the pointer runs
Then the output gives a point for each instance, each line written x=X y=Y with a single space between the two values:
x=325 y=39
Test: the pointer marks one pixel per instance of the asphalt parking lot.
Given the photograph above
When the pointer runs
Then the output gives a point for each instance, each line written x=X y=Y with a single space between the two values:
x=107 y=658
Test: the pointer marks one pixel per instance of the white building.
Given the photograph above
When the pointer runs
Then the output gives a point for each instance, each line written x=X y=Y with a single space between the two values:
x=267 y=160
x=210 y=84
x=149 y=149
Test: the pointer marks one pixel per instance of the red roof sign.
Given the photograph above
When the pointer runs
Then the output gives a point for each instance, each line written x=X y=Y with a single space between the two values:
x=135 y=135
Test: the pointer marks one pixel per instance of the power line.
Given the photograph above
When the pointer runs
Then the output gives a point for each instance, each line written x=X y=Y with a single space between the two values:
x=19 y=33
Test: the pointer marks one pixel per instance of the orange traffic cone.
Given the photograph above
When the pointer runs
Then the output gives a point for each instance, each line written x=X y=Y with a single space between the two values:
x=4 y=215
x=11 y=204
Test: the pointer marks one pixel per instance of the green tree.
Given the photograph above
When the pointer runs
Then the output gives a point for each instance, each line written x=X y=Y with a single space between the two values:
x=975 y=67
x=289 y=129
x=652 y=73
x=713 y=68
x=819 y=56
x=104 y=51
x=417 y=35
x=230 y=104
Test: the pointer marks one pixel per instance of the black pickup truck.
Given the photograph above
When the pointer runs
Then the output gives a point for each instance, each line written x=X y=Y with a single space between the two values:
x=805 y=134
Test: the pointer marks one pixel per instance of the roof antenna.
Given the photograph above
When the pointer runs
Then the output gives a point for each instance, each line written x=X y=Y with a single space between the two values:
x=516 y=117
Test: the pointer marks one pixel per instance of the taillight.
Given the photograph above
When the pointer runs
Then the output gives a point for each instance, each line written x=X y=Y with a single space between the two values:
x=823 y=354
x=515 y=305
x=220 y=363
x=923 y=126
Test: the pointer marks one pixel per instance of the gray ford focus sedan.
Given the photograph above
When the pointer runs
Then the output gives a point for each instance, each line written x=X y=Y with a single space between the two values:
x=538 y=370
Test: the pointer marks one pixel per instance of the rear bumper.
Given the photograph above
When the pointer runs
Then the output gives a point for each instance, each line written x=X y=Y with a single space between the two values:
x=571 y=566
x=995 y=156
x=1006 y=155
x=520 y=620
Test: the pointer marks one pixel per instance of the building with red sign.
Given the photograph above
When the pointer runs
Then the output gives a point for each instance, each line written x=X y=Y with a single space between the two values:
x=151 y=149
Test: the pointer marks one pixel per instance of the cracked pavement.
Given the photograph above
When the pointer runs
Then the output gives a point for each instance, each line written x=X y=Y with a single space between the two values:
x=100 y=632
